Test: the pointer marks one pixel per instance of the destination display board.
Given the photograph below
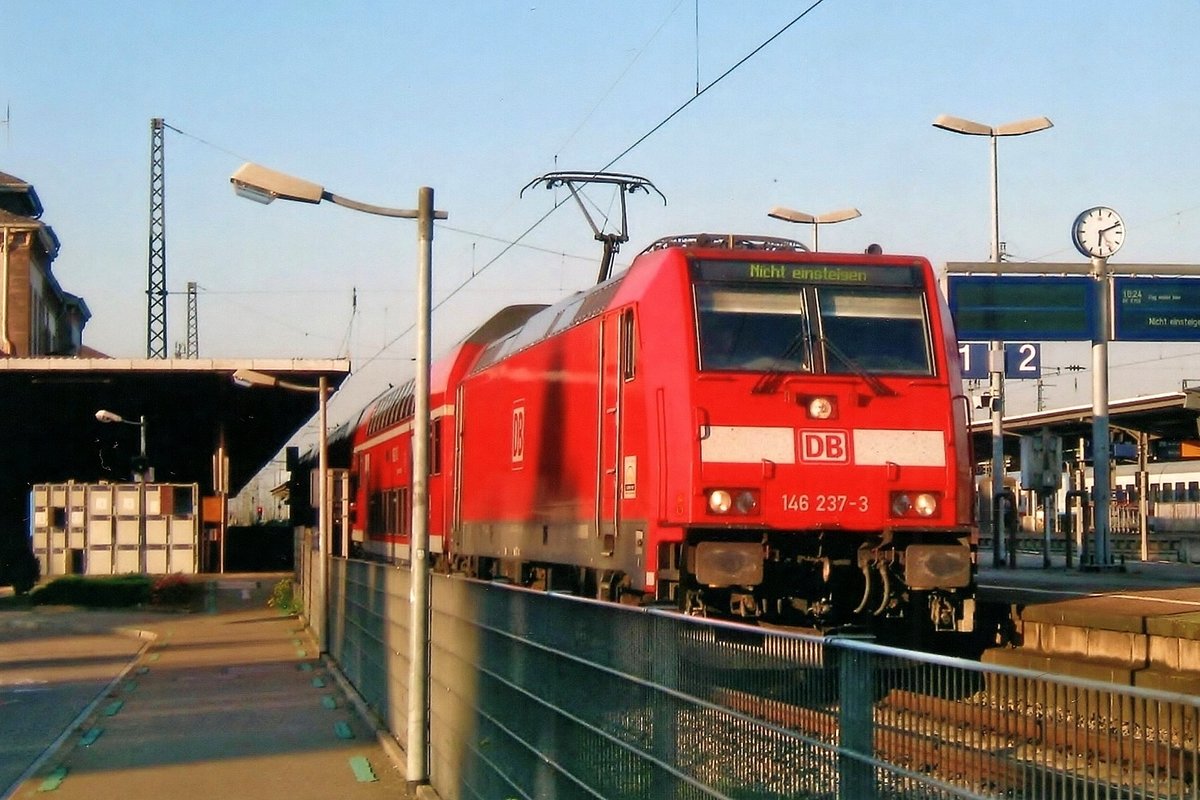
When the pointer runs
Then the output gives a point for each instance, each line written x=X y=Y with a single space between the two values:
x=1043 y=307
x=790 y=272
x=1156 y=309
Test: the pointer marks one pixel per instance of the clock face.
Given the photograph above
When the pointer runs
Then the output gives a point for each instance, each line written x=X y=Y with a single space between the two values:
x=1099 y=232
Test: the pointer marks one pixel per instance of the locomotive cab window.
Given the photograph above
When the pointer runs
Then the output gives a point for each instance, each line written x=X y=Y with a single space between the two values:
x=874 y=331
x=749 y=328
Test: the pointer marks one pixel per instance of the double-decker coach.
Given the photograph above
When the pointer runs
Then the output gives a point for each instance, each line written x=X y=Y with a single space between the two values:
x=734 y=424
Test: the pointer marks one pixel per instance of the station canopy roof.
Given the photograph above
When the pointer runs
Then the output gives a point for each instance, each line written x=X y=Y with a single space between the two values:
x=49 y=432
x=1172 y=416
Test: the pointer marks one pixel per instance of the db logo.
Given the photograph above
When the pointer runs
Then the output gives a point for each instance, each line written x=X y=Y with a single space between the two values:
x=518 y=434
x=824 y=446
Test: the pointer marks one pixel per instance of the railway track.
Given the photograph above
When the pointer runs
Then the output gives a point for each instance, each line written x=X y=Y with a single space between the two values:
x=993 y=744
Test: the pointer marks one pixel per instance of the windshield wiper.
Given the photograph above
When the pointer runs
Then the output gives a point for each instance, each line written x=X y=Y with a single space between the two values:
x=877 y=386
x=773 y=377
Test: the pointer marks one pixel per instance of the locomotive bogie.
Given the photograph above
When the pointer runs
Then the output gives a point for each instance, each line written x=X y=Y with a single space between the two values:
x=831 y=579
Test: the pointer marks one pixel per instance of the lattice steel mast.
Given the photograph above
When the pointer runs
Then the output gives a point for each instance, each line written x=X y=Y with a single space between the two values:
x=193 y=323
x=156 y=289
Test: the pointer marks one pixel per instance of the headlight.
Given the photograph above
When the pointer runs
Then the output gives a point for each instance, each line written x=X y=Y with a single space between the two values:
x=735 y=501
x=820 y=408
x=719 y=501
x=925 y=505
x=746 y=502
x=914 y=504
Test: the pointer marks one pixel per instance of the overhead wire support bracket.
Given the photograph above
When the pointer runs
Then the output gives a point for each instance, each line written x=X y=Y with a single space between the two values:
x=627 y=184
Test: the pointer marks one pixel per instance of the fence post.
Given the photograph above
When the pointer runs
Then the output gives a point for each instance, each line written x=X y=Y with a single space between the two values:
x=856 y=723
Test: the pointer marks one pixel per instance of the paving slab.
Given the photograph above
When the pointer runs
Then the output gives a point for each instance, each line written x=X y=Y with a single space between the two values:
x=233 y=702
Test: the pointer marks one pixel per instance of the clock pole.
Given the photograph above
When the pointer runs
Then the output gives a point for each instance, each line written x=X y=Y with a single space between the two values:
x=1099 y=233
x=1101 y=479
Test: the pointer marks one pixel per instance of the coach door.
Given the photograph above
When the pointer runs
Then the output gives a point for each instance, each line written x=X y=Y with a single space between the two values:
x=616 y=339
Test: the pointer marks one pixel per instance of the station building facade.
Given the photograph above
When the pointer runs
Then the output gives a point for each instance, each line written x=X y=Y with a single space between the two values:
x=37 y=317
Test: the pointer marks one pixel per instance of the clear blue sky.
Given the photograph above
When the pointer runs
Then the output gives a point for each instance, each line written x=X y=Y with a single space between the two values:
x=375 y=99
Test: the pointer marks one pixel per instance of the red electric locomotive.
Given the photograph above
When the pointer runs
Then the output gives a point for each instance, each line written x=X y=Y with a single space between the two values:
x=734 y=424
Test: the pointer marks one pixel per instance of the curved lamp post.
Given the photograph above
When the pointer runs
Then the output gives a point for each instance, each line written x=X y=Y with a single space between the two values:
x=828 y=218
x=110 y=416
x=996 y=348
x=249 y=378
x=141 y=466
x=264 y=185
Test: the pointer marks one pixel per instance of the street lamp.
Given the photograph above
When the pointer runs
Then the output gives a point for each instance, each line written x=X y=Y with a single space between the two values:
x=141 y=465
x=248 y=378
x=264 y=185
x=996 y=348
x=828 y=218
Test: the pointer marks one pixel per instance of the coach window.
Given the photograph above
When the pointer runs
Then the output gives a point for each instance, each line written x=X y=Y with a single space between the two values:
x=376 y=524
x=403 y=511
x=396 y=510
x=627 y=346
x=435 y=446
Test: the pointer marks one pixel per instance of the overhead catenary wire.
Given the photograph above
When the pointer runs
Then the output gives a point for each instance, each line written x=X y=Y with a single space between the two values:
x=604 y=95
x=640 y=140
x=700 y=92
x=518 y=241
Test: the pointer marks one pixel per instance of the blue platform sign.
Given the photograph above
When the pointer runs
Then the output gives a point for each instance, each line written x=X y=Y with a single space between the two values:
x=1059 y=308
x=1021 y=360
x=1156 y=309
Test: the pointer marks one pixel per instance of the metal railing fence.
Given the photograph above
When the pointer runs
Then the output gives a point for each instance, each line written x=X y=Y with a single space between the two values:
x=537 y=695
x=369 y=639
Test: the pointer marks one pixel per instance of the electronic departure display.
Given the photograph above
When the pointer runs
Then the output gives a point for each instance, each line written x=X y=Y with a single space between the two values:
x=1007 y=307
x=1156 y=309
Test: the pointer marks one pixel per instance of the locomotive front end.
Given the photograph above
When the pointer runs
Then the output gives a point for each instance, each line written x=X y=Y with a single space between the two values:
x=831 y=481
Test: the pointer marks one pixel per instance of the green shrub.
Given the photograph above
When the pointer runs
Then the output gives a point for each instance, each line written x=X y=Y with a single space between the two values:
x=283 y=597
x=117 y=591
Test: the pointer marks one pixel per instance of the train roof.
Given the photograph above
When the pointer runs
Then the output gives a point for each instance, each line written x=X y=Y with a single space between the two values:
x=550 y=320
x=727 y=241
x=502 y=322
x=398 y=402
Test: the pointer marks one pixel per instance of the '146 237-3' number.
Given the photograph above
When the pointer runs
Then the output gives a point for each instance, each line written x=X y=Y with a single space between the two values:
x=824 y=503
